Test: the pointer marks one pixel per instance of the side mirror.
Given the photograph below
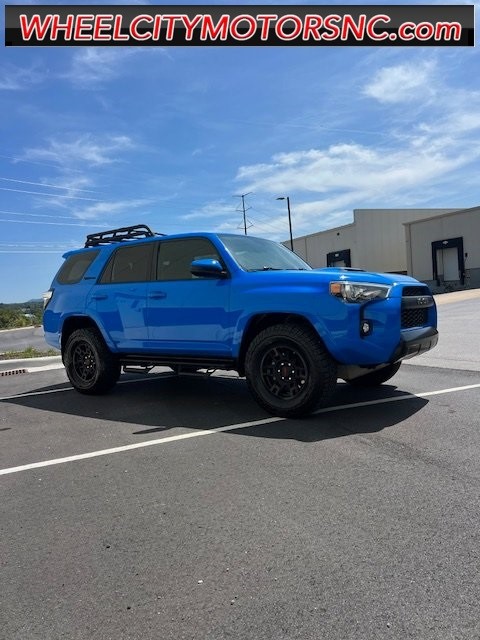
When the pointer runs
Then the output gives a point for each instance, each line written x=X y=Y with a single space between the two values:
x=207 y=268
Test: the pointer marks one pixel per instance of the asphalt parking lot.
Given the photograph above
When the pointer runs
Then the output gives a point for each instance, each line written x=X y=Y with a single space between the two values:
x=175 y=508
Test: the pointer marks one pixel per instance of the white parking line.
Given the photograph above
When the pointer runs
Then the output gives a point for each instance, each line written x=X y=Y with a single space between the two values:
x=208 y=432
x=136 y=445
x=406 y=396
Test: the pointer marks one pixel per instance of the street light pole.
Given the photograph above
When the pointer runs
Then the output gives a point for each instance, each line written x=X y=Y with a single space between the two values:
x=287 y=198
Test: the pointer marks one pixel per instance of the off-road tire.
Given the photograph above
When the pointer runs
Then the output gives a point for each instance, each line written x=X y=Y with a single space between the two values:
x=289 y=372
x=91 y=367
x=377 y=377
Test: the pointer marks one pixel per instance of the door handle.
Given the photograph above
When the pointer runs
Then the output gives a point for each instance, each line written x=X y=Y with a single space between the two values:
x=156 y=295
x=99 y=296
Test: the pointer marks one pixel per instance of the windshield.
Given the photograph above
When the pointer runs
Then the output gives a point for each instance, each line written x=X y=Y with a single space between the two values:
x=257 y=254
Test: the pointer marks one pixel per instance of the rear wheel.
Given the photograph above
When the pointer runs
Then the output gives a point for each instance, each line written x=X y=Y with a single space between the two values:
x=91 y=367
x=288 y=370
x=377 y=377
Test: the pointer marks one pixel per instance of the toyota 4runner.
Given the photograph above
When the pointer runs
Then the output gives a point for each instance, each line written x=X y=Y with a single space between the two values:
x=133 y=299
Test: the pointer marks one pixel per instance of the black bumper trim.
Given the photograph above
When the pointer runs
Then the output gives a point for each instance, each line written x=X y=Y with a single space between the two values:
x=418 y=341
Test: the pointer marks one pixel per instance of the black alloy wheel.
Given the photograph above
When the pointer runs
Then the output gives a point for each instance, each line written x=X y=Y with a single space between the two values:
x=90 y=365
x=84 y=364
x=284 y=371
x=289 y=371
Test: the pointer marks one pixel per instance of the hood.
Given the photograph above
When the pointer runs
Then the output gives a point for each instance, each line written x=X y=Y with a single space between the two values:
x=358 y=275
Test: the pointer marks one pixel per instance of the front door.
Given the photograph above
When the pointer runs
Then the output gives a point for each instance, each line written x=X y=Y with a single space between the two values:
x=188 y=315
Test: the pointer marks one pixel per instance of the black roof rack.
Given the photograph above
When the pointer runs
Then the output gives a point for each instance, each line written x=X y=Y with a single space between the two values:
x=119 y=235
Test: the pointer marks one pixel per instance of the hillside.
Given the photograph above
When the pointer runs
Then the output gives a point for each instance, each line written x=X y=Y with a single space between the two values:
x=20 y=314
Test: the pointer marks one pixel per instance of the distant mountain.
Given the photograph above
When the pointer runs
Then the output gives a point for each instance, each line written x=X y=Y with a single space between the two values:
x=21 y=305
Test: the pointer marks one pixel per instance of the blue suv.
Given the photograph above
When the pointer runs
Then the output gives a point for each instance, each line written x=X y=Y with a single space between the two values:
x=134 y=299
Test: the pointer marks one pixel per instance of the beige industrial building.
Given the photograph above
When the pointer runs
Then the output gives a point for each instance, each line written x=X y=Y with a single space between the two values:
x=444 y=251
x=437 y=246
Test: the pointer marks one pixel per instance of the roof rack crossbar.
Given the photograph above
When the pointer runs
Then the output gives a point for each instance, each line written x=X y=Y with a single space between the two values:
x=119 y=235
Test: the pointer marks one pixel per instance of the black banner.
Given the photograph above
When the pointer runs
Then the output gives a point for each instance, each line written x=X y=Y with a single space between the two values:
x=239 y=25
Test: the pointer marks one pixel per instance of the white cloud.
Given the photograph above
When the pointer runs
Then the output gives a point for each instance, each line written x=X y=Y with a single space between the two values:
x=86 y=149
x=211 y=210
x=69 y=186
x=353 y=168
x=72 y=183
x=414 y=168
x=429 y=151
x=92 y=66
x=403 y=83
x=106 y=209
x=14 y=78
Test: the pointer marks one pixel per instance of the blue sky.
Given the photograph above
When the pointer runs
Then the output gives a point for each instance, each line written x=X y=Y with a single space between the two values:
x=94 y=138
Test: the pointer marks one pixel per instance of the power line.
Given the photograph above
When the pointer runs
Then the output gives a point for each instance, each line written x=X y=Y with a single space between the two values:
x=34 y=215
x=266 y=227
x=50 y=195
x=44 y=184
x=60 y=224
x=274 y=223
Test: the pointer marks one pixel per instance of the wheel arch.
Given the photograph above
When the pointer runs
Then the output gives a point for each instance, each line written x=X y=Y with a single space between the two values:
x=262 y=321
x=72 y=323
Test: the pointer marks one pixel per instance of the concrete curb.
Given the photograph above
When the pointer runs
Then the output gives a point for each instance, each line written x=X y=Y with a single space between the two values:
x=28 y=365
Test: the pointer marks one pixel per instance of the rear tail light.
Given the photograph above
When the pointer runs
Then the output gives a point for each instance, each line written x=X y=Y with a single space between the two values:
x=47 y=296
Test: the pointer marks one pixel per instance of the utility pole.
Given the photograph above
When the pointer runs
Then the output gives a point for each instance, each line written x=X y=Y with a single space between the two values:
x=244 y=209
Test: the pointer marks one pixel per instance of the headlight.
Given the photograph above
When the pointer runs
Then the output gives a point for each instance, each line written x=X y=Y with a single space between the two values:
x=359 y=291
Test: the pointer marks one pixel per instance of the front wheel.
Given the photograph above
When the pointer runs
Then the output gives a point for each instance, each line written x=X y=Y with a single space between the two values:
x=376 y=378
x=288 y=370
x=91 y=367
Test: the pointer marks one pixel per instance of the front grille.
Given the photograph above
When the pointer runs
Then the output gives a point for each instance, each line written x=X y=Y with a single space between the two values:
x=415 y=304
x=414 y=318
x=416 y=291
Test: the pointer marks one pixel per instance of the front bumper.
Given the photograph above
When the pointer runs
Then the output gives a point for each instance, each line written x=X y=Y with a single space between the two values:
x=414 y=342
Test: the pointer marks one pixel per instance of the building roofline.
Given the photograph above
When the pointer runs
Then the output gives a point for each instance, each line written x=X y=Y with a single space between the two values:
x=319 y=233
x=446 y=212
x=453 y=212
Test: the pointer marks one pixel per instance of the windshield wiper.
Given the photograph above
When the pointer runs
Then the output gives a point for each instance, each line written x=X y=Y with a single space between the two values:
x=267 y=269
x=279 y=269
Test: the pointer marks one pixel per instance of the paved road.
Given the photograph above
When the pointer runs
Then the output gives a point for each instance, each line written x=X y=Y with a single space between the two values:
x=459 y=328
x=175 y=508
x=355 y=524
x=19 y=339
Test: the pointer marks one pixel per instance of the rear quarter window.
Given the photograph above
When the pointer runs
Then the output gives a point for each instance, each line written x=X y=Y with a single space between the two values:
x=75 y=267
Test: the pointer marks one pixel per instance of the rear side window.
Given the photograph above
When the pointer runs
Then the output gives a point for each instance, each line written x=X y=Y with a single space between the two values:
x=129 y=264
x=74 y=267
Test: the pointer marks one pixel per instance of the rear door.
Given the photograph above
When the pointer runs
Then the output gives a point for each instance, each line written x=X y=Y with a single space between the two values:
x=119 y=300
x=188 y=314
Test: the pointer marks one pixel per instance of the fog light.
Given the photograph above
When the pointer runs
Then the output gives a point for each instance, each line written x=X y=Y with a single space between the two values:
x=365 y=327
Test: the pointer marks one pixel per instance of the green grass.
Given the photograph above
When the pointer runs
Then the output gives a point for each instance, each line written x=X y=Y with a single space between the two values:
x=29 y=352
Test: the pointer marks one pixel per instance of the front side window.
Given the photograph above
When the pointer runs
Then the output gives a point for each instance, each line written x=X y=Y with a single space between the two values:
x=75 y=267
x=176 y=256
x=129 y=264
